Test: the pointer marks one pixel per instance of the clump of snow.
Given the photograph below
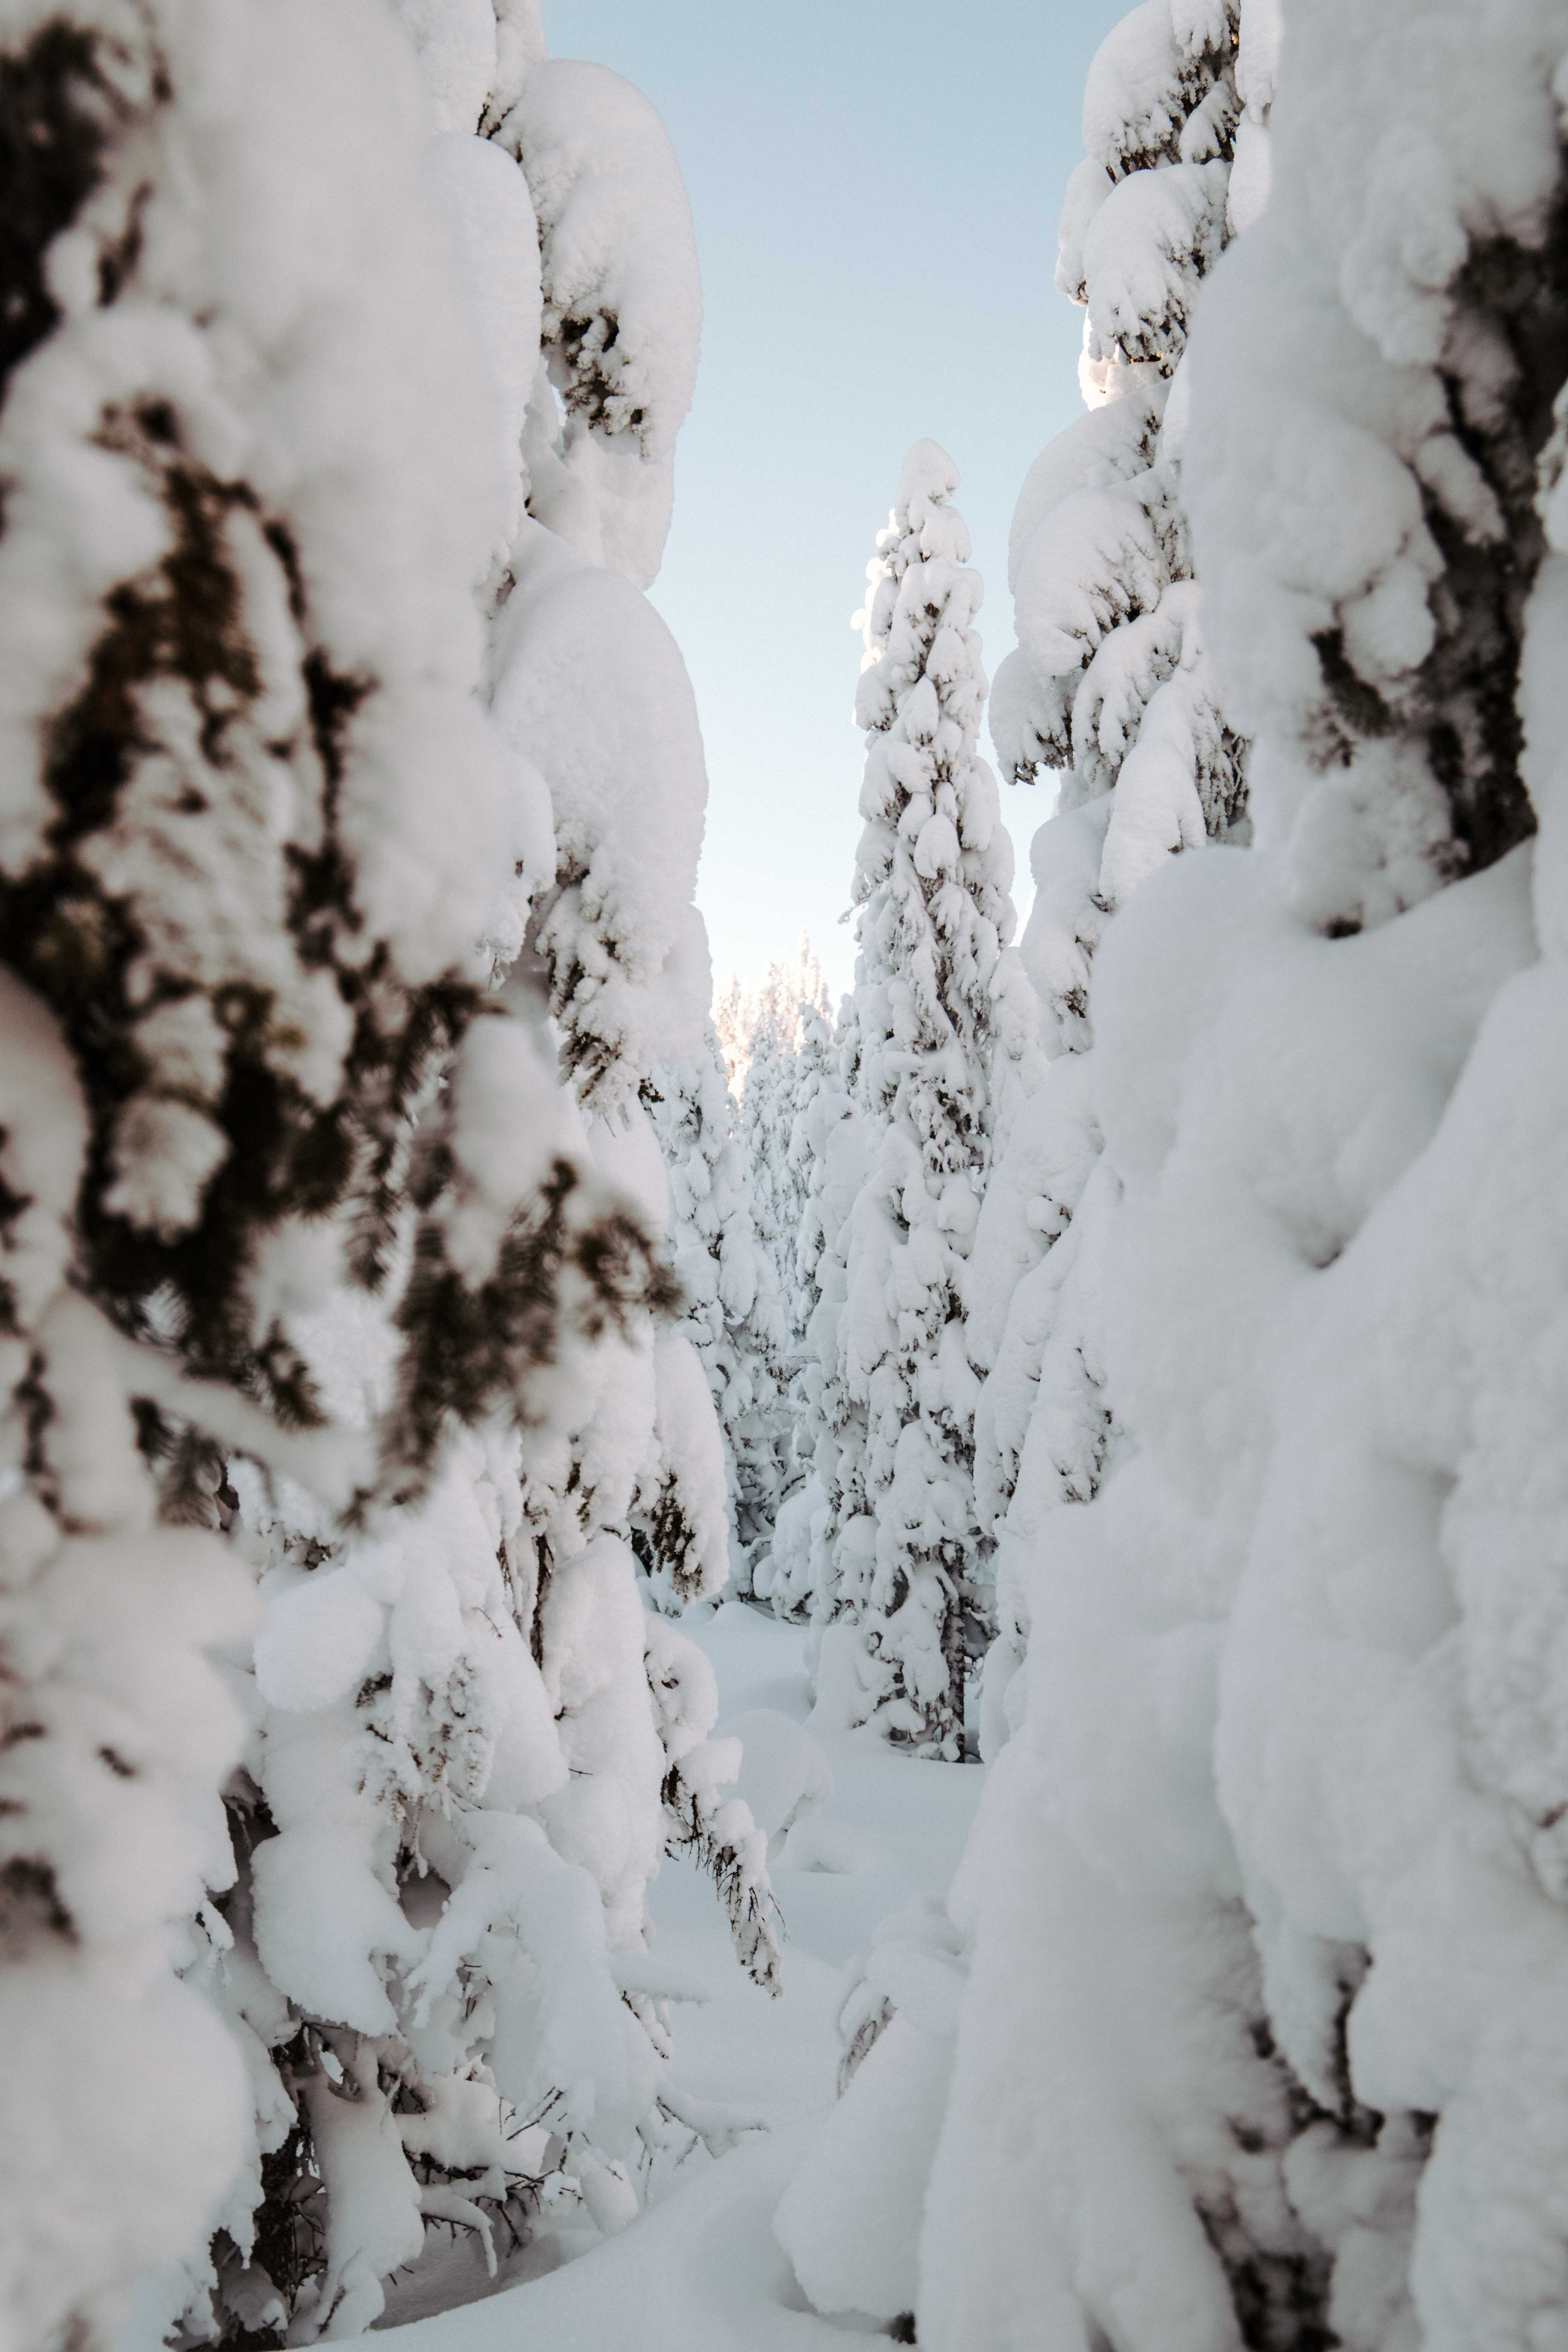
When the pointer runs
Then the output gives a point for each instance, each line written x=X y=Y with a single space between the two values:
x=1367 y=463
x=590 y=688
x=785 y=1778
x=623 y=308
x=850 y=2220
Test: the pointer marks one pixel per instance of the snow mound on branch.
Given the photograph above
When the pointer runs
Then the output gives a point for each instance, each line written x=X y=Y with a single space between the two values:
x=784 y=1777
x=623 y=307
x=859 y=2255
x=851 y=2219
x=1367 y=584
x=1147 y=78
x=591 y=687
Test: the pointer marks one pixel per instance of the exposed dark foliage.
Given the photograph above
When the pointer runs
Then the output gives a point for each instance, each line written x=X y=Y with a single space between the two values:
x=1505 y=360
x=56 y=112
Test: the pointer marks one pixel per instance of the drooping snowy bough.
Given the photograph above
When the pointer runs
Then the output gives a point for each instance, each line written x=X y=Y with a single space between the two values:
x=941 y=1015
x=304 y=1242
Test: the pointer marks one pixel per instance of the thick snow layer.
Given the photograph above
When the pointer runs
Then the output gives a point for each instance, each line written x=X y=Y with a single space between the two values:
x=1145 y=80
x=496 y=239
x=1282 y=1115
x=455 y=43
x=700 y=2272
x=850 y=2255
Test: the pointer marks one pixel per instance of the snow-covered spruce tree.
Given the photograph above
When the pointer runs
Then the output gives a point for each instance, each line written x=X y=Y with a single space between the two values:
x=765 y=1101
x=1110 y=685
x=932 y=1004
x=588 y=687
x=807 y=987
x=734 y=1316
x=800 y=998
x=247 y=450
x=825 y=1170
x=828 y=1165
x=730 y=1025
x=816 y=1073
x=1117 y=2155
x=791 y=999
x=588 y=690
x=1329 y=1075
x=470 y=1737
x=766 y=1108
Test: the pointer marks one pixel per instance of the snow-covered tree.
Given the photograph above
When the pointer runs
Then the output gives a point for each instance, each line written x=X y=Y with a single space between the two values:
x=936 y=1002
x=817 y=1085
x=807 y=987
x=1267 y=1897
x=800 y=1003
x=897 y=2022
x=734 y=1316
x=1112 y=685
x=1113 y=2147
x=767 y=1103
x=320 y=1255
x=588 y=688
x=1389 y=348
x=730 y=1025
x=825 y=1170
x=301 y=1232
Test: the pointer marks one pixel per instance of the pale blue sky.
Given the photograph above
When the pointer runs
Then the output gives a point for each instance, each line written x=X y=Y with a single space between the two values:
x=875 y=186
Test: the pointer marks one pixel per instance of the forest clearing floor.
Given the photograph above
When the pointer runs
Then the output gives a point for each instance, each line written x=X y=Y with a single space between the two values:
x=700 y=2270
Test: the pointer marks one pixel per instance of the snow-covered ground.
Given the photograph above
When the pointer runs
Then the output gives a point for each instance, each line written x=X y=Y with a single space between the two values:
x=700 y=2270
